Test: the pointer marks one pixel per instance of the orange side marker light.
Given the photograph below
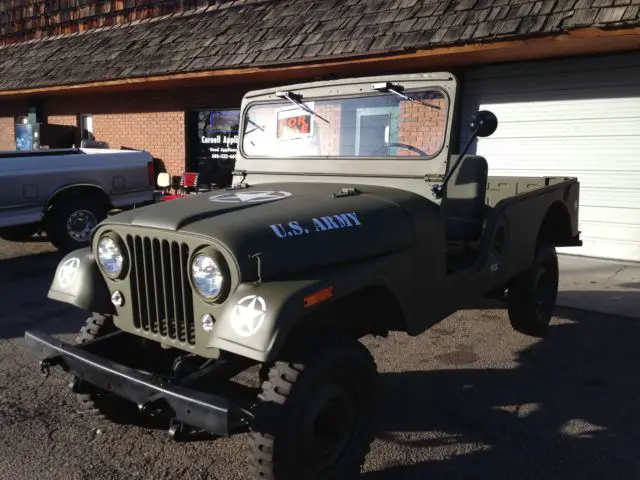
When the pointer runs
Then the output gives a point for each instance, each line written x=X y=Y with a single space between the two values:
x=318 y=297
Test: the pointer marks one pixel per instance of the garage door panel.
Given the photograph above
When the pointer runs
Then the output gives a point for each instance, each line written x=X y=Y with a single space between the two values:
x=612 y=198
x=570 y=117
x=585 y=64
x=575 y=128
x=607 y=215
x=617 y=155
x=605 y=249
x=558 y=83
x=587 y=101
x=610 y=232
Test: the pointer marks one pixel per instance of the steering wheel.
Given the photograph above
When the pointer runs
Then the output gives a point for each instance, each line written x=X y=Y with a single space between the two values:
x=403 y=145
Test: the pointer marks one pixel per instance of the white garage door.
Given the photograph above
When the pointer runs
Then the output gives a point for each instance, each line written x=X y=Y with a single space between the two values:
x=578 y=117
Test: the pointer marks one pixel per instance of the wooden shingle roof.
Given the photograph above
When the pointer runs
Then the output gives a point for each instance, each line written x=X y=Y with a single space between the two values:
x=245 y=33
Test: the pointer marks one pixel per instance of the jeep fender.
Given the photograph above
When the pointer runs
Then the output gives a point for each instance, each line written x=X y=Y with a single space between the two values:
x=78 y=282
x=256 y=319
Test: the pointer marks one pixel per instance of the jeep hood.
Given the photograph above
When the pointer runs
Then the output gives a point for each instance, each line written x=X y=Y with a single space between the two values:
x=295 y=226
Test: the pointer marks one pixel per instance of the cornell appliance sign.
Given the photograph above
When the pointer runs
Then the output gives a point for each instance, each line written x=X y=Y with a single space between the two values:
x=216 y=143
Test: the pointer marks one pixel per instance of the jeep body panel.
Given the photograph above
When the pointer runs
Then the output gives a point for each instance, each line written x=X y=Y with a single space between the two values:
x=30 y=180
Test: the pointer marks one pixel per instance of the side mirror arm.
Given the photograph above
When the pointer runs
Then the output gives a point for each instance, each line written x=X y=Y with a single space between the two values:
x=483 y=124
x=438 y=190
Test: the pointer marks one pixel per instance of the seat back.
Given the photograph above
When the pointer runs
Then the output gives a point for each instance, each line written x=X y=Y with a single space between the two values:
x=189 y=180
x=464 y=196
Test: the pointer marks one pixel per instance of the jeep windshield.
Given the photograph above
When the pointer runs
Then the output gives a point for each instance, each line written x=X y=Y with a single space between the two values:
x=376 y=125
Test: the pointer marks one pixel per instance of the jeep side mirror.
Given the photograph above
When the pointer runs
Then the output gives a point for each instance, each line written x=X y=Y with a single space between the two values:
x=483 y=123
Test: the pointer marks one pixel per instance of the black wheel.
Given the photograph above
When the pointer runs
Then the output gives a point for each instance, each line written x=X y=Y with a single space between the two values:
x=316 y=419
x=95 y=400
x=532 y=295
x=71 y=220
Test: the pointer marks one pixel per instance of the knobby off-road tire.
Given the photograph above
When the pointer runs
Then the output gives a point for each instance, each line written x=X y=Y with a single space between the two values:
x=532 y=295
x=76 y=215
x=100 y=402
x=329 y=394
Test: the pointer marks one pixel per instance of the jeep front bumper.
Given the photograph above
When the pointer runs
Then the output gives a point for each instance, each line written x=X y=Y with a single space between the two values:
x=211 y=413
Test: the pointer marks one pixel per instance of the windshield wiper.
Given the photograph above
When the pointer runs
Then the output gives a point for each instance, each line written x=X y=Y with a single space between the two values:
x=258 y=127
x=295 y=99
x=389 y=87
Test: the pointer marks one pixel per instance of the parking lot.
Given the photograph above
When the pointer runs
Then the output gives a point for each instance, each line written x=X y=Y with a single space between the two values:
x=469 y=399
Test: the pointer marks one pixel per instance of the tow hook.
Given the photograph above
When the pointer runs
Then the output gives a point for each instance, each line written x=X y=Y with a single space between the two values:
x=46 y=364
x=45 y=368
x=177 y=430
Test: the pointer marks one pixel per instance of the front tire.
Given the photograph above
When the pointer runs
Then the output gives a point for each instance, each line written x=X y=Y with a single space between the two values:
x=315 y=419
x=532 y=295
x=95 y=400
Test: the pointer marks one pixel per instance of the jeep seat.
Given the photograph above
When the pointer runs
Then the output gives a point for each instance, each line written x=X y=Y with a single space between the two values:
x=463 y=202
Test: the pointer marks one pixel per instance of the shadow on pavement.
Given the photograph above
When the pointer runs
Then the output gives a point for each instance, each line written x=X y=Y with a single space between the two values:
x=608 y=301
x=24 y=283
x=570 y=409
x=29 y=266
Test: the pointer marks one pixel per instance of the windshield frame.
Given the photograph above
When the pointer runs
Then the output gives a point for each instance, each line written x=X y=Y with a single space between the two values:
x=372 y=93
x=372 y=168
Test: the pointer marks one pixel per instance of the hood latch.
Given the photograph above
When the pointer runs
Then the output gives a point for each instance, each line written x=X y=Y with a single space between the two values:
x=347 y=192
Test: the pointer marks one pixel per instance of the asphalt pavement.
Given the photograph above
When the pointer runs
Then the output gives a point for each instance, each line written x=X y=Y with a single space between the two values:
x=469 y=399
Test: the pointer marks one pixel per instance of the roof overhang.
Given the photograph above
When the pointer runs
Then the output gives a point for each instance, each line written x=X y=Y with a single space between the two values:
x=586 y=41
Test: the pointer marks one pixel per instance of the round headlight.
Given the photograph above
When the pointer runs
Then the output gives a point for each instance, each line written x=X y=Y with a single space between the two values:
x=207 y=276
x=110 y=256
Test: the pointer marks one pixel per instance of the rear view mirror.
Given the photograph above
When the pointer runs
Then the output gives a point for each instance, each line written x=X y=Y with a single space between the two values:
x=484 y=123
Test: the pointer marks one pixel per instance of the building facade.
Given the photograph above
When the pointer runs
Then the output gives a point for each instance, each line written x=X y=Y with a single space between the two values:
x=168 y=77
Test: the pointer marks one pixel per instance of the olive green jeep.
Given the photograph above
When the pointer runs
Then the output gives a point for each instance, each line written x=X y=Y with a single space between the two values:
x=350 y=214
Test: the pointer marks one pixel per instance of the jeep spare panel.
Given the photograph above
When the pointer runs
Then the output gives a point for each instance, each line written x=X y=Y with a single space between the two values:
x=382 y=129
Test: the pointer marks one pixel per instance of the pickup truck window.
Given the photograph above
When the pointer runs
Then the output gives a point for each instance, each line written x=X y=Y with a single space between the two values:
x=379 y=125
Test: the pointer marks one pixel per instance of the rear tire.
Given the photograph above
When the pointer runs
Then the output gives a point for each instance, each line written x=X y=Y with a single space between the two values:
x=532 y=295
x=71 y=220
x=315 y=419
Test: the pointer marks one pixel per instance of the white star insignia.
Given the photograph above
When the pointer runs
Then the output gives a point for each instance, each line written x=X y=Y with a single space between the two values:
x=248 y=315
x=250 y=197
x=68 y=272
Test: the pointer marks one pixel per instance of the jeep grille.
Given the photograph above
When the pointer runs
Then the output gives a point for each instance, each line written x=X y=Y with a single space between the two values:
x=161 y=294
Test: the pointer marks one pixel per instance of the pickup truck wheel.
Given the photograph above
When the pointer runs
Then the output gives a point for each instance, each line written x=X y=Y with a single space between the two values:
x=70 y=222
x=97 y=401
x=315 y=419
x=532 y=295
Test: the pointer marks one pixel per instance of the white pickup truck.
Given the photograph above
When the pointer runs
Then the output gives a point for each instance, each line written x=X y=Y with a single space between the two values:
x=67 y=192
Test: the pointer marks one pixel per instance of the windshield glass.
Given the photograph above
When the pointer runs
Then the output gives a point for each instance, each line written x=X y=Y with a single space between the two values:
x=378 y=125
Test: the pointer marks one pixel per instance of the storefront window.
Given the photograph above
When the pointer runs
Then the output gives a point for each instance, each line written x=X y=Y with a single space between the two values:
x=212 y=142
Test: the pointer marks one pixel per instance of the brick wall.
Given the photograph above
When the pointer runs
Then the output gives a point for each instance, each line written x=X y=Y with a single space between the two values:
x=329 y=132
x=8 y=112
x=151 y=121
x=423 y=127
x=160 y=133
